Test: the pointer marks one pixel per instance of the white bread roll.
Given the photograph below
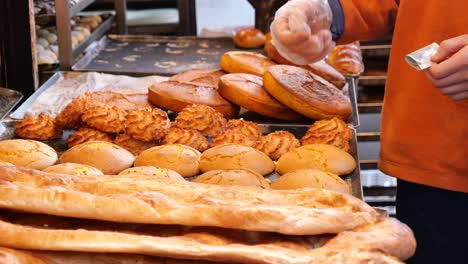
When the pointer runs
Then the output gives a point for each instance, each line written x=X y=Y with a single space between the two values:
x=234 y=177
x=152 y=171
x=73 y=169
x=311 y=178
x=27 y=153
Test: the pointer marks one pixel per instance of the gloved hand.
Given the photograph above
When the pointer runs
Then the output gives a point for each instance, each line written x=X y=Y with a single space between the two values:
x=301 y=31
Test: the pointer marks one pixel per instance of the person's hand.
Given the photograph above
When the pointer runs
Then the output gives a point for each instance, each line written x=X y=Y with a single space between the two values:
x=301 y=31
x=450 y=70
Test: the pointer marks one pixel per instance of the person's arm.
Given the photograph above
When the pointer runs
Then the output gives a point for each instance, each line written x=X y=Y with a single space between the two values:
x=363 y=19
x=450 y=70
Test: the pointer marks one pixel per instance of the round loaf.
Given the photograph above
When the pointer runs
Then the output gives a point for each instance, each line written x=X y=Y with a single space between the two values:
x=175 y=96
x=247 y=91
x=311 y=178
x=180 y=158
x=153 y=171
x=245 y=62
x=27 y=153
x=235 y=157
x=306 y=93
x=249 y=38
x=234 y=177
x=107 y=157
x=317 y=156
x=73 y=169
x=209 y=77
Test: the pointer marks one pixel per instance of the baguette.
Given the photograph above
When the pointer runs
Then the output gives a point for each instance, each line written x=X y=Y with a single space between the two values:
x=142 y=199
x=388 y=235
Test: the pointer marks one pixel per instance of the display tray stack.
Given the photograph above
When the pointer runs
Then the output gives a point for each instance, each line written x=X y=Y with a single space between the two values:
x=251 y=161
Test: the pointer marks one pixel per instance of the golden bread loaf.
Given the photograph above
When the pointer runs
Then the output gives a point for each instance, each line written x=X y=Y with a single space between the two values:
x=175 y=96
x=147 y=124
x=249 y=38
x=277 y=143
x=106 y=118
x=189 y=137
x=201 y=118
x=209 y=77
x=317 y=156
x=234 y=177
x=73 y=169
x=235 y=157
x=27 y=153
x=306 y=93
x=86 y=134
x=245 y=62
x=238 y=132
x=272 y=52
x=179 y=158
x=311 y=178
x=70 y=117
x=41 y=127
x=333 y=132
x=247 y=90
x=153 y=171
x=133 y=145
x=105 y=156
x=346 y=59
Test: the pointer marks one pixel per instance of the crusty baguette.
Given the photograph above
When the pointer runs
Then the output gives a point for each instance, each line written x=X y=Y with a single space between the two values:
x=388 y=235
x=138 y=199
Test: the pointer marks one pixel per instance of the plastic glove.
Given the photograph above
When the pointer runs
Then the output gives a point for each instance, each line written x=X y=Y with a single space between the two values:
x=450 y=70
x=301 y=31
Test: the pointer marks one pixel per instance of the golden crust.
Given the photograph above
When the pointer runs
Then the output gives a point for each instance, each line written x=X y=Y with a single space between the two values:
x=332 y=132
x=202 y=118
x=347 y=59
x=249 y=38
x=188 y=137
x=245 y=62
x=209 y=77
x=135 y=146
x=277 y=143
x=41 y=127
x=147 y=124
x=86 y=134
x=239 y=132
x=240 y=177
x=106 y=118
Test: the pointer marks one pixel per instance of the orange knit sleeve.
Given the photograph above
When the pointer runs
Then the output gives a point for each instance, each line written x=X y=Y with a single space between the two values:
x=367 y=19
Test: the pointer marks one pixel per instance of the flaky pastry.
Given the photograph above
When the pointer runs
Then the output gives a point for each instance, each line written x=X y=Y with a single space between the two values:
x=333 y=132
x=147 y=124
x=202 y=118
x=277 y=143
x=86 y=134
x=188 y=137
x=106 y=118
x=239 y=132
x=41 y=127
x=133 y=145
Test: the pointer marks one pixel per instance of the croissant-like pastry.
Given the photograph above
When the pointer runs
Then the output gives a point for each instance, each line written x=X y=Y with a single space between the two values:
x=277 y=143
x=188 y=137
x=333 y=132
x=239 y=132
x=106 y=118
x=202 y=118
x=41 y=127
x=86 y=134
x=147 y=124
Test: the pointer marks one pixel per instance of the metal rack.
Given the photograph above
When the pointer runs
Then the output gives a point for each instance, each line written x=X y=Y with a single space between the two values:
x=67 y=54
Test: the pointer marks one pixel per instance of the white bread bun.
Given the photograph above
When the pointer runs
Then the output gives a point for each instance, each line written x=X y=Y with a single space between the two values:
x=107 y=157
x=73 y=169
x=311 y=178
x=234 y=157
x=180 y=158
x=152 y=171
x=27 y=153
x=234 y=177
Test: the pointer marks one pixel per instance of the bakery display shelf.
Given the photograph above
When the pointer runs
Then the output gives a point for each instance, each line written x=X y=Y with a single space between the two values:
x=140 y=55
x=102 y=29
x=78 y=7
x=8 y=100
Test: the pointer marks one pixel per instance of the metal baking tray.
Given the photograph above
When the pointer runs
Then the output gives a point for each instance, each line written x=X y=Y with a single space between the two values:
x=139 y=55
x=8 y=100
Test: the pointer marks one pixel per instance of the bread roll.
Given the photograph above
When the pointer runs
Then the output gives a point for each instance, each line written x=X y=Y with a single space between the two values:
x=249 y=38
x=245 y=62
x=27 y=153
x=73 y=169
x=272 y=52
x=153 y=171
x=311 y=178
x=180 y=158
x=346 y=59
x=234 y=177
x=247 y=91
x=317 y=156
x=235 y=157
x=107 y=157
x=306 y=93
x=208 y=77
x=175 y=96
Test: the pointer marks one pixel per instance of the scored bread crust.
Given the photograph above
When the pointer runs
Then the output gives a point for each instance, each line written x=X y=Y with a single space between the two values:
x=387 y=236
x=242 y=177
x=209 y=77
x=41 y=127
x=245 y=62
x=141 y=199
x=306 y=93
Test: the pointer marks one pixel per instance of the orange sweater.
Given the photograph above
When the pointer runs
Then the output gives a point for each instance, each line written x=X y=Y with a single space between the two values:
x=424 y=134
